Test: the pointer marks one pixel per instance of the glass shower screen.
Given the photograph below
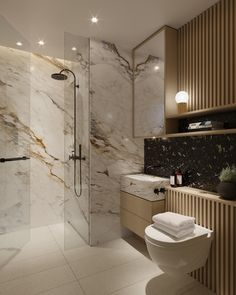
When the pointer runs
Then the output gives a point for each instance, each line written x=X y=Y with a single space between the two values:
x=14 y=142
x=76 y=210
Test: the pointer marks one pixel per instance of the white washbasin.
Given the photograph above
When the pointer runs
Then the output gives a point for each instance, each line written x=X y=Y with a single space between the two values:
x=145 y=177
x=143 y=186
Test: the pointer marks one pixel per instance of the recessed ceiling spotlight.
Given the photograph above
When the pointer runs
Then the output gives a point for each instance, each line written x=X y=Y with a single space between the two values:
x=41 y=43
x=94 y=19
x=156 y=68
x=19 y=43
x=73 y=48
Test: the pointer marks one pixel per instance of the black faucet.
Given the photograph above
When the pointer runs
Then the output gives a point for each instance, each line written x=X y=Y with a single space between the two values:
x=146 y=168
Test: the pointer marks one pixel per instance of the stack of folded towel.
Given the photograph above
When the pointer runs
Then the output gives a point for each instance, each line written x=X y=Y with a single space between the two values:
x=174 y=224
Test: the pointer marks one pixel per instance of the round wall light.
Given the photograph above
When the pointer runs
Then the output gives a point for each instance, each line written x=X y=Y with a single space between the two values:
x=181 y=99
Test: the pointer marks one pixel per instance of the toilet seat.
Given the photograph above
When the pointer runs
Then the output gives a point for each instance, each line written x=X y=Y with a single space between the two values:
x=159 y=238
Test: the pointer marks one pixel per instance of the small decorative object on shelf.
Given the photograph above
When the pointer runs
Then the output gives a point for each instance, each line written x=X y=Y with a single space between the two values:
x=205 y=125
x=173 y=179
x=179 y=178
x=181 y=99
x=227 y=185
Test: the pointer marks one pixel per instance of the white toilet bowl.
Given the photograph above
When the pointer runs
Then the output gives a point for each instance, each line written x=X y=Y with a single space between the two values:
x=178 y=256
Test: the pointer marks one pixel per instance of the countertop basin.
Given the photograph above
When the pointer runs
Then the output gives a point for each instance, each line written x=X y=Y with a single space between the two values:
x=143 y=186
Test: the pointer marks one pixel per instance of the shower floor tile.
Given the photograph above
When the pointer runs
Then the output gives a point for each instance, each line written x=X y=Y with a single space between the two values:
x=46 y=265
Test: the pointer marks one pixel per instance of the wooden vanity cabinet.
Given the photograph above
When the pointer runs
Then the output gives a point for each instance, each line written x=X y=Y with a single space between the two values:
x=136 y=213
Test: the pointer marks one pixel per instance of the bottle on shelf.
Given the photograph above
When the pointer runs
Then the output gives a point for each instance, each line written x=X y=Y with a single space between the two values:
x=173 y=179
x=179 y=178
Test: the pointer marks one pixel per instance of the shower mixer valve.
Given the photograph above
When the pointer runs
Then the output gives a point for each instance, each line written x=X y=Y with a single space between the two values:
x=74 y=157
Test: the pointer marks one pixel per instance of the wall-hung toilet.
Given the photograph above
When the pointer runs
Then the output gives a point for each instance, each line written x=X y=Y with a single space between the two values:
x=178 y=256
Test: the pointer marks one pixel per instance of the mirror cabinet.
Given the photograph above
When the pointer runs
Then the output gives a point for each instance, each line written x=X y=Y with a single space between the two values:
x=154 y=83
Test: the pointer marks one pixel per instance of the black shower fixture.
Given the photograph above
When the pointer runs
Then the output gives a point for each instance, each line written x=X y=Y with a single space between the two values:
x=62 y=77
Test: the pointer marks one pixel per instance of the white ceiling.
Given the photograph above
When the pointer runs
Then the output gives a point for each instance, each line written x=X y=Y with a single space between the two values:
x=124 y=22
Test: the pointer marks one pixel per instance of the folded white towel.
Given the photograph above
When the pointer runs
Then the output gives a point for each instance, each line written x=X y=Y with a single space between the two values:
x=174 y=220
x=179 y=234
x=176 y=230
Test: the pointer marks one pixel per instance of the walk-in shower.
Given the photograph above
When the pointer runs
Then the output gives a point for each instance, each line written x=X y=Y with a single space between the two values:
x=61 y=77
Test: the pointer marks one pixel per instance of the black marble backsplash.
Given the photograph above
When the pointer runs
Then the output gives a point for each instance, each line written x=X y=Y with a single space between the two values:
x=202 y=156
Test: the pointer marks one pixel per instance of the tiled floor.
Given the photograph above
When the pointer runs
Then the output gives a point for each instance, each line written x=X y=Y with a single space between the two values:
x=44 y=267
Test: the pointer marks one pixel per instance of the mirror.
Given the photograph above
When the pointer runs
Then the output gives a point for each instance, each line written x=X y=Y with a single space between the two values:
x=148 y=86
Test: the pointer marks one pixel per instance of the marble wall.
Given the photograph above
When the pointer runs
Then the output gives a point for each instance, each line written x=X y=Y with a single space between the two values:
x=104 y=129
x=202 y=156
x=113 y=150
x=36 y=119
x=14 y=139
x=47 y=148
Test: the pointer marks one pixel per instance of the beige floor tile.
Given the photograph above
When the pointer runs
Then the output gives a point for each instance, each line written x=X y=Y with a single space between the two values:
x=120 y=244
x=12 y=243
x=41 y=234
x=118 y=277
x=68 y=289
x=39 y=282
x=34 y=249
x=85 y=251
x=30 y=266
x=135 y=289
x=65 y=235
x=39 y=243
x=165 y=285
x=71 y=237
x=75 y=254
x=138 y=244
x=96 y=263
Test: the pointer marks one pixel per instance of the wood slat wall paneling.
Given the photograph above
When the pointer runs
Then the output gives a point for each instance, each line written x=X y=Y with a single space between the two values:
x=206 y=58
x=220 y=271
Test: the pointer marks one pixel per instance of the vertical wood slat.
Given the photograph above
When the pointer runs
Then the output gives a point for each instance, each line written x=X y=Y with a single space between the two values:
x=218 y=93
x=231 y=50
x=213 y=67
x=220 y=271
x=207 y=61
x=234 y=43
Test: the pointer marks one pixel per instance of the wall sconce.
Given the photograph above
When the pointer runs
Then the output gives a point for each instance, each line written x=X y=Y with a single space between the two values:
x=181 y=99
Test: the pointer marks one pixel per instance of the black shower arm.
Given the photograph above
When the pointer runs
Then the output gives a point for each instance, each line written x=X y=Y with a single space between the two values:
x=73 y=74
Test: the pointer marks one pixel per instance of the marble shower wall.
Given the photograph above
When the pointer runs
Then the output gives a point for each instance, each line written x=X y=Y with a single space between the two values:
x=14 y=139
x=108 y=146
x=113 y=150
x=37 y=121
x=47 y=150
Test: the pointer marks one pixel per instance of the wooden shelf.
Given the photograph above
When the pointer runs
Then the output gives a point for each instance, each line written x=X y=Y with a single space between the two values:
x=227 y=108
x=198 y=133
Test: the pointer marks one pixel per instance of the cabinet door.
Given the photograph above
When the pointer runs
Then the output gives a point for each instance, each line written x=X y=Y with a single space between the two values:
x=149 y=93
x=155 y=82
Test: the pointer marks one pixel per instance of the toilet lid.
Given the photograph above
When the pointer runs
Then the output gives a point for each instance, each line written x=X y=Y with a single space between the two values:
x=161 y=238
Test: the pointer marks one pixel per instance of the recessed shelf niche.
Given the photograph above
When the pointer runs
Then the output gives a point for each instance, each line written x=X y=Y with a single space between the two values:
x=176 y=125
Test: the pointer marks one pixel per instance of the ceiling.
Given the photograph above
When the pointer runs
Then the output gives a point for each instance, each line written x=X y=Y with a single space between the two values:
x=124 y=22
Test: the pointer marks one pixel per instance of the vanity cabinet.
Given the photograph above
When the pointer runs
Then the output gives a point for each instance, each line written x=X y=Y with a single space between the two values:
x=136 y=213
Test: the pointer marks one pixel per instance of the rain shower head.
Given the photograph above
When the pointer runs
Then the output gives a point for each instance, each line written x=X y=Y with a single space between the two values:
x=59 y=76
